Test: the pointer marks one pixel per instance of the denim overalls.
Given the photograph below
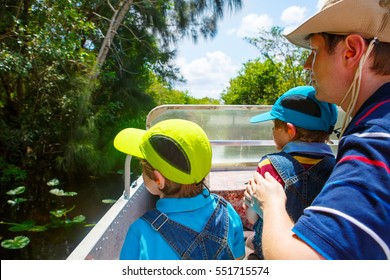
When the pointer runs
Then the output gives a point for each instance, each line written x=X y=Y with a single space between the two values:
x=301 y=187
x=209 y=244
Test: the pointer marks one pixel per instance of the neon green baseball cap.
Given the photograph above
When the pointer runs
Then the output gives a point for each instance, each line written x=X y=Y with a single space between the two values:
x=179 y=149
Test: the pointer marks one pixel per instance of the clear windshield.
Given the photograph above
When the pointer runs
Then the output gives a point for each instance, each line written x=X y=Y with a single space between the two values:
x=235 y=141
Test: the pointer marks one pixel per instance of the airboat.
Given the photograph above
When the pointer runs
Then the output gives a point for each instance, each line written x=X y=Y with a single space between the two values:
x=237 y=146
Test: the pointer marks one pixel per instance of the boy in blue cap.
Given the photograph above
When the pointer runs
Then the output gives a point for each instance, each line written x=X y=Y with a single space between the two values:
x=302 y=126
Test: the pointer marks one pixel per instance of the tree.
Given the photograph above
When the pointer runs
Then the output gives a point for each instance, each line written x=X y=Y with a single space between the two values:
x=162 y=94
x=255 y=84
x=169 y=20
x=279 y=68
x=54 y=118
x=44 y=87
x=275 y=47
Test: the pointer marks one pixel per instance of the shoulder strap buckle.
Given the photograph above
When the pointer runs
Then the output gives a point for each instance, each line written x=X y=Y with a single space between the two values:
x=159 y=221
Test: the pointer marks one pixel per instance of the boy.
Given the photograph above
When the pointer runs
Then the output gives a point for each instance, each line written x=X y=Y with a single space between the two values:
x=302 y=126
x=188 y=222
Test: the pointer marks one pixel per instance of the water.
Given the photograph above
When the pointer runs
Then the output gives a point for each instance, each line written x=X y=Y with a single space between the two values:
x=57 y=243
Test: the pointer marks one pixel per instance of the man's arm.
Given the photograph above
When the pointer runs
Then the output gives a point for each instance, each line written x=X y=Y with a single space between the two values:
x=278 y=240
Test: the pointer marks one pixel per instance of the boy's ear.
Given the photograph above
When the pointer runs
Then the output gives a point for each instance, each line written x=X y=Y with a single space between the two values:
x=291 y=130
x=160 y=179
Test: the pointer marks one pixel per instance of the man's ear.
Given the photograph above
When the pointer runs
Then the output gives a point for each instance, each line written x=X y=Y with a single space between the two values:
x=354 y=48
x=160 y=179
x=291 y=130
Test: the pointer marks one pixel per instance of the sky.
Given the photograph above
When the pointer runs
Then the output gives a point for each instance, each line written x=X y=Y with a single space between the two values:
x=209 y=65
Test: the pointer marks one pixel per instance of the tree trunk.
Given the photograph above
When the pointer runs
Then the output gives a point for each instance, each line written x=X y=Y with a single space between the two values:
x=116 y=21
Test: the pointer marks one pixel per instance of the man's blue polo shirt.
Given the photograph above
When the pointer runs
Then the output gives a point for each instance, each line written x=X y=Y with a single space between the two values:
x=143 y=242
x=350 y=218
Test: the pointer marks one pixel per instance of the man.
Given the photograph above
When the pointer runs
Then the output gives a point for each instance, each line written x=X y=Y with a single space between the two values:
x=350 y=66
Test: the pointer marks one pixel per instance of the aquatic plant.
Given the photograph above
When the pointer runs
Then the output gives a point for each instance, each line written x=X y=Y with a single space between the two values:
x=14 y=192
x=18 y=242
x=58 y=217
x=59 y=192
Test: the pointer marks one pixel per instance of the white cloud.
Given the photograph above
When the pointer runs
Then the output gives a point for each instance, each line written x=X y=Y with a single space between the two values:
x=231 y=31
x=320 y=4
x=293 y=15
x=206 y=76
x=252 y=23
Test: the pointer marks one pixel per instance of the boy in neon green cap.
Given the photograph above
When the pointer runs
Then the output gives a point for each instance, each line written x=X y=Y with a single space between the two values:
x=176 y=157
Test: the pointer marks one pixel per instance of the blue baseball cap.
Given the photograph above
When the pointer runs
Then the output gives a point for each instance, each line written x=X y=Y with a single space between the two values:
x=300 y=107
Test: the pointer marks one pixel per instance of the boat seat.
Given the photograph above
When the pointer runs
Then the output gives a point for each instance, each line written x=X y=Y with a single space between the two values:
x=231 y=186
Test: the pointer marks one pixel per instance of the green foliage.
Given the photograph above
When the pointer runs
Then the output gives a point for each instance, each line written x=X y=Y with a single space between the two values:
x=53 y=182
x=173 y=20
x=109 y=201
x=60 y=219
x=16 y=191
x=273 y=46
x=26 y=226
x=16 y=201
x=59 y=192
x=10 y=173
x=18 y=242
x=58 y=213
x=44 y=88
x=204 y=100
x=59 y=108
x=257 y=83
x=162 y=93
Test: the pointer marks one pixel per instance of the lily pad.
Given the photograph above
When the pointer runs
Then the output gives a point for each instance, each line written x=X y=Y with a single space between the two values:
x=27 y=226
x=59 y=192
x=61 y=212
x=18 y=242
x=17 y=190
x=109 y=201
x=77 y=220
x=53 y=182
x=16 y=201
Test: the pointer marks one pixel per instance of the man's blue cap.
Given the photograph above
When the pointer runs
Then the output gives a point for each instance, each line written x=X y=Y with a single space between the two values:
x=300 y=107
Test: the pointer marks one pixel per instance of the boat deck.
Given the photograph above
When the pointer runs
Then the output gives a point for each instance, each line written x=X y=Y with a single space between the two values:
x=231 y=186
x=237 y=146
